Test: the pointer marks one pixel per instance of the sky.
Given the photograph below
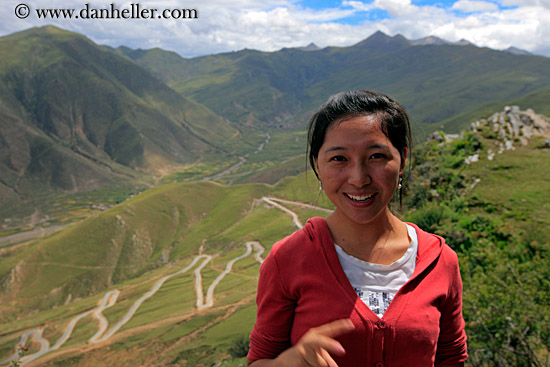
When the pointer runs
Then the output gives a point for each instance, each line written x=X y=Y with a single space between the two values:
x=195 y=28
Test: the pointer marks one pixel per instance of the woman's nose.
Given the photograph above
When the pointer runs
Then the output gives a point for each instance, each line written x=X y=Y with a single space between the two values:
x=359 y=175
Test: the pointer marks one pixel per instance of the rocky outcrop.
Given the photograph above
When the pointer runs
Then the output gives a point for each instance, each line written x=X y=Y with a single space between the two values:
x=512 y=124
x=508 y=128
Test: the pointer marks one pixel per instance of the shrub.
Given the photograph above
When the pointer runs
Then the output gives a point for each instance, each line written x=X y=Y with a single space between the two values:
x=240 y=347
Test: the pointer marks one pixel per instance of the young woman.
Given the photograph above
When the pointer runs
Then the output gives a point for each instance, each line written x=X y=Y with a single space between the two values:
x=361 y=287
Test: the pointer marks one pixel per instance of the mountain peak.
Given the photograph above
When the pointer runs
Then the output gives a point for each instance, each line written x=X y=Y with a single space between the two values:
x=377 y=36
x=430 y=40
x=311 y=47
x=47 y=29
x=381 y=40
x=463 y=42
x=517 y=51
x=47 y=32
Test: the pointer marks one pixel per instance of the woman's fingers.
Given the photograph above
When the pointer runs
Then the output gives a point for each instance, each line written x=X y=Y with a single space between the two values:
x=335 y=328
x=330 y=345
x=317 y=346
x=326 y=357
x=318 y=343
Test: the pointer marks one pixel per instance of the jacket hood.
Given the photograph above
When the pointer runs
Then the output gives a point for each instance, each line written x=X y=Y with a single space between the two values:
x=429 y=245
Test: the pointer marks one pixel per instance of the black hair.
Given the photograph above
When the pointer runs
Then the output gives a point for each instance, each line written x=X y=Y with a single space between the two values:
x=393 y=119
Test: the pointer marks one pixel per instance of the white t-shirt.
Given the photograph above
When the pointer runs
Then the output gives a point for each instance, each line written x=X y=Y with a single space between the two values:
x=377 y=284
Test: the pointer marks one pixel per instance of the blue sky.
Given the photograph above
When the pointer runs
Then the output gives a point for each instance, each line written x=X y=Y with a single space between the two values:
x=353 y=19
x=269 y=25
x=378 y=14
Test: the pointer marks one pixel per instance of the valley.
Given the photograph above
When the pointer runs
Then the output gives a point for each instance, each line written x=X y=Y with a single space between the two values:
x=203 y=300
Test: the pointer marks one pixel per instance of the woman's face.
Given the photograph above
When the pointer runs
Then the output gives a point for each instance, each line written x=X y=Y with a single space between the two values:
x=359 y=168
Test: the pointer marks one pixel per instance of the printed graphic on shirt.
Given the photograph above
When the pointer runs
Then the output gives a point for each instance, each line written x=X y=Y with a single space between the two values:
x=378 y=302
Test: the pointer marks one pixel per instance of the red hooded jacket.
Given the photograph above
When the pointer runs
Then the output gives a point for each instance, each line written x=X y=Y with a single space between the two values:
x=302 y=286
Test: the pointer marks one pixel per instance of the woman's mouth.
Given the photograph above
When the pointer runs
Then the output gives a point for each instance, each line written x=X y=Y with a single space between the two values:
x=360 y=198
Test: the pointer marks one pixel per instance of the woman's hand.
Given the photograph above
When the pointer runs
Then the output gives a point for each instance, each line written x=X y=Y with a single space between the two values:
x=314 y=348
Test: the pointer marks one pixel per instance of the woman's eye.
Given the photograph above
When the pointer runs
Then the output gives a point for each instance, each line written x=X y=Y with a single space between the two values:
x=338 y=158
x=378 y=155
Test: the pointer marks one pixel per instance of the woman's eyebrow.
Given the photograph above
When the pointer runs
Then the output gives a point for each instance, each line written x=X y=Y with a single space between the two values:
x=378 y=146
x=332 y=149
x=373 y=146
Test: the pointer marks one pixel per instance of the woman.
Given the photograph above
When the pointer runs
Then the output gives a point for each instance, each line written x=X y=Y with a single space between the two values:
x=361 y=287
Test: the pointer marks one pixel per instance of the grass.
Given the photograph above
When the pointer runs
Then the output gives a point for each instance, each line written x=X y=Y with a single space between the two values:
x=236 y=325
x=62 y=209
x=516 y=185
x=196 y=171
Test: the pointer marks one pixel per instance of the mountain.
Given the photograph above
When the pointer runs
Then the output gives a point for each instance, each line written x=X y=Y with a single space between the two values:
x=75 y=117
x=168 y=276
x=434 y=79
x=127 y=251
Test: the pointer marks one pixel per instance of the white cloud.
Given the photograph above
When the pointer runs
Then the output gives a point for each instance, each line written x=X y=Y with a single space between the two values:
x=536 y=3
x=396 y=8
x=523 y=28
x=269 y=25
x=471 y=6
x=358 y=5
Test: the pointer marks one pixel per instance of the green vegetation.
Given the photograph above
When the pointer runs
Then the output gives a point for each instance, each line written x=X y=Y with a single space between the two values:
x=497 y=226
x=81 y=117
x=134 y=244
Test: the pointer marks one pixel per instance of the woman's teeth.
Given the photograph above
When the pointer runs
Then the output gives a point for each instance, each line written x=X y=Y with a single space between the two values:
x=360 y=198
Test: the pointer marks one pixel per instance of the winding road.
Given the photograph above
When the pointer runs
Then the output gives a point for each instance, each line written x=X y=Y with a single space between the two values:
x=110 y=298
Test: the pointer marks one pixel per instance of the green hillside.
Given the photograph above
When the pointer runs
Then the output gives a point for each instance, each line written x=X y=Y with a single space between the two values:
x=74 y=117
x=131 y=246
x=493 y=212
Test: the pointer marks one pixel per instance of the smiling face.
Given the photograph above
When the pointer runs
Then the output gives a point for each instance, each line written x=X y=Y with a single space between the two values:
x=359 y=168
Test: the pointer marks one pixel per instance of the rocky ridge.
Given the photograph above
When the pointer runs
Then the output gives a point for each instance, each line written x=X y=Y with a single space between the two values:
x=512 y=124
x=508 y=128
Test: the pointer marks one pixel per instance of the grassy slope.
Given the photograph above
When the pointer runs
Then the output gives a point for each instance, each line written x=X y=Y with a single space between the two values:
x=123 y=241
x=225 y=219
x=515 y=185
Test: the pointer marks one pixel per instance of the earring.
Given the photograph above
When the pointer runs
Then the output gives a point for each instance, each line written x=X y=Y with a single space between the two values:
x=400 y=184
x=320 y=185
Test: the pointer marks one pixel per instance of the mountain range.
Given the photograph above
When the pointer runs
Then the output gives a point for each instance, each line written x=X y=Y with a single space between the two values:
x=76 y=116
x=434 y=79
